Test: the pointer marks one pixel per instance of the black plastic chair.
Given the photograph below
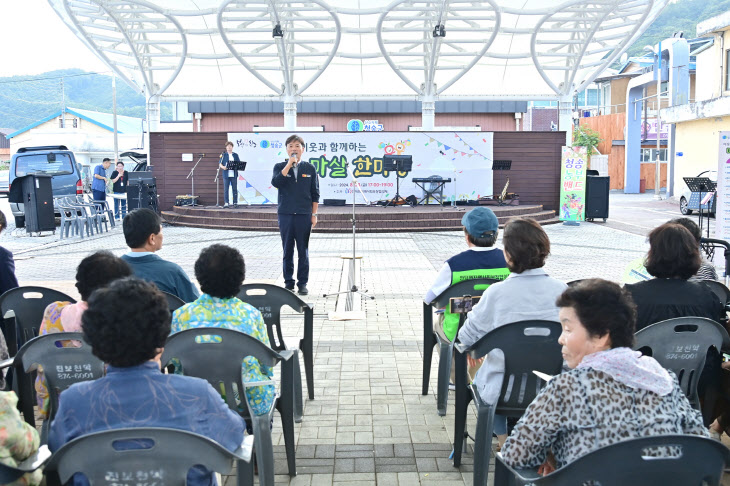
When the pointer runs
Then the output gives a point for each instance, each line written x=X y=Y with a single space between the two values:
x=719 y=289
x=527 y=346
x=699 y=461
x=681 y=345
x=165 y=456
x=27 y=305
x=474 y=287
x=269 y=300
x=62 y=366
x=173 y=301
x=220 y=364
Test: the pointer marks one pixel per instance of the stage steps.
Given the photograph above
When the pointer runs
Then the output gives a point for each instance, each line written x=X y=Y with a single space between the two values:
x=370 y=219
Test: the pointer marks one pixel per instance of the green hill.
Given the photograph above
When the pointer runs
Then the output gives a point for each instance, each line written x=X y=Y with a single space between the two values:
x=683 y=16
x=26 y=99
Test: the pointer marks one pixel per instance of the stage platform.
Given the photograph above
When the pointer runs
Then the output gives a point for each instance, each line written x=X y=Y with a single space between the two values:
x=337 y=219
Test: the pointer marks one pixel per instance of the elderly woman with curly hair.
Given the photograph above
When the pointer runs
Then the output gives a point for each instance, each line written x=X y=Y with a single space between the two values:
x=611 y=392
x=220 y=270
x=95 y=271
x=134 y=393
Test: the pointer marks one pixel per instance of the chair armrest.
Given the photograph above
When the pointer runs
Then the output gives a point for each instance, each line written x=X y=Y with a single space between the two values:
x=245 y=452
x=460 y=348
x=7 y=363
x=286 y=354
x=36 y=460
x=506 y=475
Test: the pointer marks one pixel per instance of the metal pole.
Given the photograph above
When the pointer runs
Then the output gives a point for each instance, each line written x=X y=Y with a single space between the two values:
x=658 y=168
x=114 y=116
x=63 y=105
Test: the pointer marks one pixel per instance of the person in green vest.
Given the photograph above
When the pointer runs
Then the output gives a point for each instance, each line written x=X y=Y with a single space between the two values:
x=480 y=260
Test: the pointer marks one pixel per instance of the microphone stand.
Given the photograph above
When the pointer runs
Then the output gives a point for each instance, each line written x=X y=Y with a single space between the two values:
x=217 y=185
x=192 y=175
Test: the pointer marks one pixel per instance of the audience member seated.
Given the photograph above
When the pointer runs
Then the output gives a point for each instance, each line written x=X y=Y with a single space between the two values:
x=143 y=234
x=529 y=293
x=95 y=271
x=7 y=264
x=707 y=269
x=18 y=440
x=673 y=258
x=481 y=260
x=220 y=270
x=134 y=393
x=611 y=392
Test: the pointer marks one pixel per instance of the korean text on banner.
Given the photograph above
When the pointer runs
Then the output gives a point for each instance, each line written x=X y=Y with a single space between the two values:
x=573 y=166
x=722 y=212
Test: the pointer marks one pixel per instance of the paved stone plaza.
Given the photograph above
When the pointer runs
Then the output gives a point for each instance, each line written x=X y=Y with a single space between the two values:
x=369 y=423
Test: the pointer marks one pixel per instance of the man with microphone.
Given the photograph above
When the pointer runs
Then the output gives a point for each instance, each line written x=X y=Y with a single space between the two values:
x=298 y=187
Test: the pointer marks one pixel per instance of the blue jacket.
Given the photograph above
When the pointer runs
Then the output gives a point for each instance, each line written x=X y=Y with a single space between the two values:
x=141 y=396
x=296 y=195
x=224 y=159
x=168 y=276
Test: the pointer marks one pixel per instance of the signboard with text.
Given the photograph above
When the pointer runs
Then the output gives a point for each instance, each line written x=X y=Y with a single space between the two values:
x=340 y=157
x=722 y=213
x=573 y=165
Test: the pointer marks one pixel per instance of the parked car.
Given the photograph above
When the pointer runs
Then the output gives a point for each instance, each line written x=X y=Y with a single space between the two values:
x=56 y=160
x=684 y=199
x=4 y=184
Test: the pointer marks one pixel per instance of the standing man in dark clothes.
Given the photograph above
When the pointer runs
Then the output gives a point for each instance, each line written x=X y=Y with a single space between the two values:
x=298 y=187
x=7 y=264
x=143 y=234
x=230 y=177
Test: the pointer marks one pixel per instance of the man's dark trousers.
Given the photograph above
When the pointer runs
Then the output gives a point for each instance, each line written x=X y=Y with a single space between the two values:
x=295 y=229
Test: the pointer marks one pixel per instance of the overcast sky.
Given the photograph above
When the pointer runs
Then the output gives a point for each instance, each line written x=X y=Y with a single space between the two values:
x=35 y=40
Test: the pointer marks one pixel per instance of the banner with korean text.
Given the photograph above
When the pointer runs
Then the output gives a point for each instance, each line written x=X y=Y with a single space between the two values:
x=722 y=211
x=573 y=183
x=463 y=157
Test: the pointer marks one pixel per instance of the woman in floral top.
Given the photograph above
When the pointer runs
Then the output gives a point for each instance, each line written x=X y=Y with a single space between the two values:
x=18 y=440
x=611 y=394
x=220 y=271
x=95 y=271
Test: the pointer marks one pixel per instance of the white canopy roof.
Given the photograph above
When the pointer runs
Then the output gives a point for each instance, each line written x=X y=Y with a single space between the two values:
x=357 y=49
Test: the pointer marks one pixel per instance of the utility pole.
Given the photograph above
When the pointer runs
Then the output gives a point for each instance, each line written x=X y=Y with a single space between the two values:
x=658 y=168
x=63 y=105
x=114 y=115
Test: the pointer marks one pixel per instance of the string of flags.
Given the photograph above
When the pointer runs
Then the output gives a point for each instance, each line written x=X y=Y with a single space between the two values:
x=457 y=151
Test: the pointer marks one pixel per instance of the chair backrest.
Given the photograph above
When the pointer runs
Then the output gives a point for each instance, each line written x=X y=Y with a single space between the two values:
x=62 y=366
x=472 y=287
x=692 y=460
x=269 y=300
x=527 y=346
x=681 y=345
x=215 y=354
x=28 y=304
x=719 y=289
x=173 y=301
x=164 y=456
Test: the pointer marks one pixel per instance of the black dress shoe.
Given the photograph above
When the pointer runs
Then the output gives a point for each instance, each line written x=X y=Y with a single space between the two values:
x=289 y=287
x=303 y=290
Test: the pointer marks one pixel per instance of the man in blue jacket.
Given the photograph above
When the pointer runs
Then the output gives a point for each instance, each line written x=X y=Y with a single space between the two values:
x=298 y=187
x=143 y=234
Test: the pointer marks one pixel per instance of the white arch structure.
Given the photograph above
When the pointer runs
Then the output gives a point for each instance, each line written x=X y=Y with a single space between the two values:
x=289 y=50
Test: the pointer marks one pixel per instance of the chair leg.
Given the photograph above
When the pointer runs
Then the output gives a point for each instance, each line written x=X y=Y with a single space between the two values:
x=298 y=400
x=461 y=409
x=429 y=341
x=483 y=444
x=264 y=447
x=244 y=473
x=442 y=387
x=307 y=347
x=287 y=425
x=25 y=395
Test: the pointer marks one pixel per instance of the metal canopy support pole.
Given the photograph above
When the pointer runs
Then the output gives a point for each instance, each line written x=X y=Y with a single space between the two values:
x=290 y=113
x=153 y=122
x=428 y=113
x=565 y=118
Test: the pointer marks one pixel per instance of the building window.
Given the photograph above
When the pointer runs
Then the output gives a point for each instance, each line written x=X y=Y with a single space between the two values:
x=76 y=123
x=60 y=121
x=727 y=69
x=648 y=155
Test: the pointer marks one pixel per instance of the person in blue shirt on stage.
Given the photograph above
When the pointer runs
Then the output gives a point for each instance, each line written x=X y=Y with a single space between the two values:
x=98 y=185
x=298 y=186
x=230 y=177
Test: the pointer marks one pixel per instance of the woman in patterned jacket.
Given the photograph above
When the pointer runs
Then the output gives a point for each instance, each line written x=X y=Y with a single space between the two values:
x=220 y=271
x=611 y=393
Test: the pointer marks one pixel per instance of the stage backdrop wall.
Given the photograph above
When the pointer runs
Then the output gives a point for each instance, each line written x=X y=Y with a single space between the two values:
x=465 y=158
x=534 y=175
